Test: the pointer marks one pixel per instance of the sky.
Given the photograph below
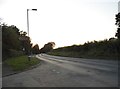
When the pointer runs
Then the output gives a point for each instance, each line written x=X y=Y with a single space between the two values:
x=65 y=22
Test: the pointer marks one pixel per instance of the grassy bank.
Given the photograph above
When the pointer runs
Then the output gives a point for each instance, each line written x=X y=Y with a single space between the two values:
x=21 y=63
x=106 y=49
x=89 y=55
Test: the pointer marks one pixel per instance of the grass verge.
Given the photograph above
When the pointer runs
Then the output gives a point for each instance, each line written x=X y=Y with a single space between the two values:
x=88 y=55
x=21 y=63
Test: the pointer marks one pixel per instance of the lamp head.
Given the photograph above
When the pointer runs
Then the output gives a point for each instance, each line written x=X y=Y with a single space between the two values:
x=34 y=9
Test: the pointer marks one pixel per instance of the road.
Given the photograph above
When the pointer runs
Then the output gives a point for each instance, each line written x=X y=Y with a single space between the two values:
x=66 y=72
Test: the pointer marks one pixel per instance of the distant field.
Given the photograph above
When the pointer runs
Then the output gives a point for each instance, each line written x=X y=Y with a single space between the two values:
x=21 y=63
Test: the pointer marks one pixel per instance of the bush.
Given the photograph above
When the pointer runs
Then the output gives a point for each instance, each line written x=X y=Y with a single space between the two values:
x=14 y=53
x=11 y=53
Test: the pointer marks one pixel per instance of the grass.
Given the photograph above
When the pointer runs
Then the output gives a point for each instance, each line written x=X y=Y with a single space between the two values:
x=21 y=63
x=89 y=55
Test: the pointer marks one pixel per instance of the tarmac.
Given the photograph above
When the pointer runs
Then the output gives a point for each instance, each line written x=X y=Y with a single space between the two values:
x=7 y=70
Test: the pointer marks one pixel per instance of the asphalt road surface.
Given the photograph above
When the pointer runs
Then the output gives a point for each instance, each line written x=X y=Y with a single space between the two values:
x=66 y=72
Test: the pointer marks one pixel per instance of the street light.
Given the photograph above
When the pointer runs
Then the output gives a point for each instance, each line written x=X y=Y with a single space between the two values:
x=28 y=28
x=28 y=18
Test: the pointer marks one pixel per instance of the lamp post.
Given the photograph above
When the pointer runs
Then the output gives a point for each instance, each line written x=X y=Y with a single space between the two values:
x=28 y=18
x=28 y=28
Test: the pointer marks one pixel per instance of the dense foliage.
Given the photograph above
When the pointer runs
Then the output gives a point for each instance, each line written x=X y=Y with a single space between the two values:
x=47 y=47
x=118 y=31
x=35 y=49
x=106 y=49
x=118 y=24
x=14 y=42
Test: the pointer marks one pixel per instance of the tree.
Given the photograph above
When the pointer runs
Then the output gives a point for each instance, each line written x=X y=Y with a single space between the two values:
x=10 y=37
x=118 y=24
x=47 y=47
x=118 y=33
x=25 y=42
x=10 y=41
x=35 y=49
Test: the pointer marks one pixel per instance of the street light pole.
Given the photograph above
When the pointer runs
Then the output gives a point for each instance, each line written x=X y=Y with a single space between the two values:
x=28 y=18
x=28 y=21
x=28 y=29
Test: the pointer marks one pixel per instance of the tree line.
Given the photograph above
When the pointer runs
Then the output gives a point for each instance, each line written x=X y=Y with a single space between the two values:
x=107 y=49
x=16 y=43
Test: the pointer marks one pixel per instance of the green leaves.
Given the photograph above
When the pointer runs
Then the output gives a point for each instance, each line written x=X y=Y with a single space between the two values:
x=106 y=49
x=10 y=40
x=118 y=24
x=35 y=49
x=47 y=47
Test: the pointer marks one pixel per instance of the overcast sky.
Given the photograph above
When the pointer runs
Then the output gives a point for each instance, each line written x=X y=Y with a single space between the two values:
x=65 y=22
